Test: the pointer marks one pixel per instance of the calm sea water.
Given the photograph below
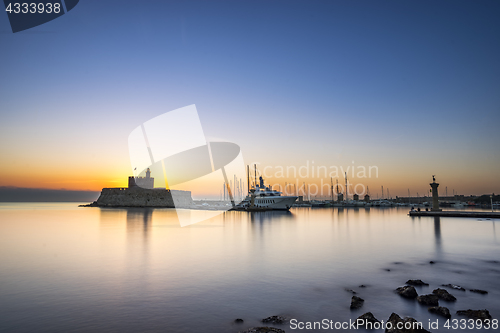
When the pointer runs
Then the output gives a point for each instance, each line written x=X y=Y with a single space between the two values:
x=64 y=268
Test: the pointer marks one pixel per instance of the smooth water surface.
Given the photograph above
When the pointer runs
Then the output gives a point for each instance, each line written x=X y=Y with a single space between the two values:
x=64 y=268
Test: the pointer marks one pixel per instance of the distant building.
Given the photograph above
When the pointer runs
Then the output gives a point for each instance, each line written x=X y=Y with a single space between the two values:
x=355 y=197
x=144 y=182
x=367 y=198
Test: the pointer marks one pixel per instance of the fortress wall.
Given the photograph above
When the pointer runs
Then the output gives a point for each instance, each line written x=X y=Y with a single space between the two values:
x=139 y=197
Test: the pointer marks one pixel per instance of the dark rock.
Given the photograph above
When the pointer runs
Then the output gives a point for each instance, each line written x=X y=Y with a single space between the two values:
x=479 y=291
x=238 y=320
x=387 y=269
x=415 y=327
x=432 y=262
x=362 y=286
x=440 y=310
x=263 y=330
x=356 y=302
x=407 y=291
x=475 y=314
x=453 y=286
x=444 y=295
x=275 y=320
x=416 y=283
x=350 y=290
x=429 y=299
x=369 y=318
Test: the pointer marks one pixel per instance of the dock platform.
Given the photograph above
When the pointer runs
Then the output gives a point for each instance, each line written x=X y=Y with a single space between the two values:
x=487 y=215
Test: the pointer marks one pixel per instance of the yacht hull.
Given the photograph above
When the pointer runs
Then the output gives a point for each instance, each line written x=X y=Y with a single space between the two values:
x=275 y=203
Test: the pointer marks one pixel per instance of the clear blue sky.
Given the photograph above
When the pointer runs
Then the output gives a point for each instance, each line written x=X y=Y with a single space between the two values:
x=330 y=81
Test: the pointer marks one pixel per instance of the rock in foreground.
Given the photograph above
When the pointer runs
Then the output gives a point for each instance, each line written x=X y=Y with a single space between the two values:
x=411 y=323
x=407 y=291
x=356 y=302
x=263 y=330
x=275 y=320
x=416 y=283
x=444 y=295
x=428 y=300
x=475 y=314
x=479 y=291
x=454 y=286
x=440 y=310
x=368 y=318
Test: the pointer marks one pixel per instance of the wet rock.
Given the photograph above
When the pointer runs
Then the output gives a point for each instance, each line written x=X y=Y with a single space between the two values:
x=416 y=283
x=409 y=325
x=444 y=295
x=475 y=314
x=263 y=330
x=238 y=320
x=356 y=302
x=440 y=310
x=453 y=286
x=275 y=320
x=479 y=291
x=432 y=262
x=407 y=291
x=369 y=318
x=429 y=299
x=350 y=290
x=362 y=286
x=387 y=269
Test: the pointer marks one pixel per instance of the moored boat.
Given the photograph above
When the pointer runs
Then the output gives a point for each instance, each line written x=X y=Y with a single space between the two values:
x=263 y=197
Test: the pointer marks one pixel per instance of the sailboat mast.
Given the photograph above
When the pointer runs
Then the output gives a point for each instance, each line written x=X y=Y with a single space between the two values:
x=331 y=188
x=248 y=178
x=255 y=167
x=345 y=199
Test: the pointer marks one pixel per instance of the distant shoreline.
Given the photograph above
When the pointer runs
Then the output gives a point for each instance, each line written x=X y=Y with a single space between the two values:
x=19 y=194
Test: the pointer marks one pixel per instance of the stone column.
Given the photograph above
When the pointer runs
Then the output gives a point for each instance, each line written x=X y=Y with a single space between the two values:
x=435 y=195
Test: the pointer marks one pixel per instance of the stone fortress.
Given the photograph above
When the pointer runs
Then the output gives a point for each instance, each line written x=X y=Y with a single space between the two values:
x=141 y=193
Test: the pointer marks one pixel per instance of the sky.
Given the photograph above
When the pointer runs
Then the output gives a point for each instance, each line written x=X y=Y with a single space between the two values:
x=411 y=87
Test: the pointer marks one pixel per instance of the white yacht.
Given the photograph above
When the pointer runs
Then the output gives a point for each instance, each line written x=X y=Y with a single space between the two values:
x=267 y=199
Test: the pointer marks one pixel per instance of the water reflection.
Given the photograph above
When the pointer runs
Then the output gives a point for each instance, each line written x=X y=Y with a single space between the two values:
x=265 y=217
x=139 y=218
x=128 y=226
x=138 y=269
x=437 y=233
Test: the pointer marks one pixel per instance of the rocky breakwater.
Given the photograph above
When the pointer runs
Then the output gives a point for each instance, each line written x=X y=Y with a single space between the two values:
x=140 y=197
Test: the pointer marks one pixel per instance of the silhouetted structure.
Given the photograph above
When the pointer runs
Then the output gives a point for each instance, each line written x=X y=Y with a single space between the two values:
x=435 y=196
x=144 y=182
